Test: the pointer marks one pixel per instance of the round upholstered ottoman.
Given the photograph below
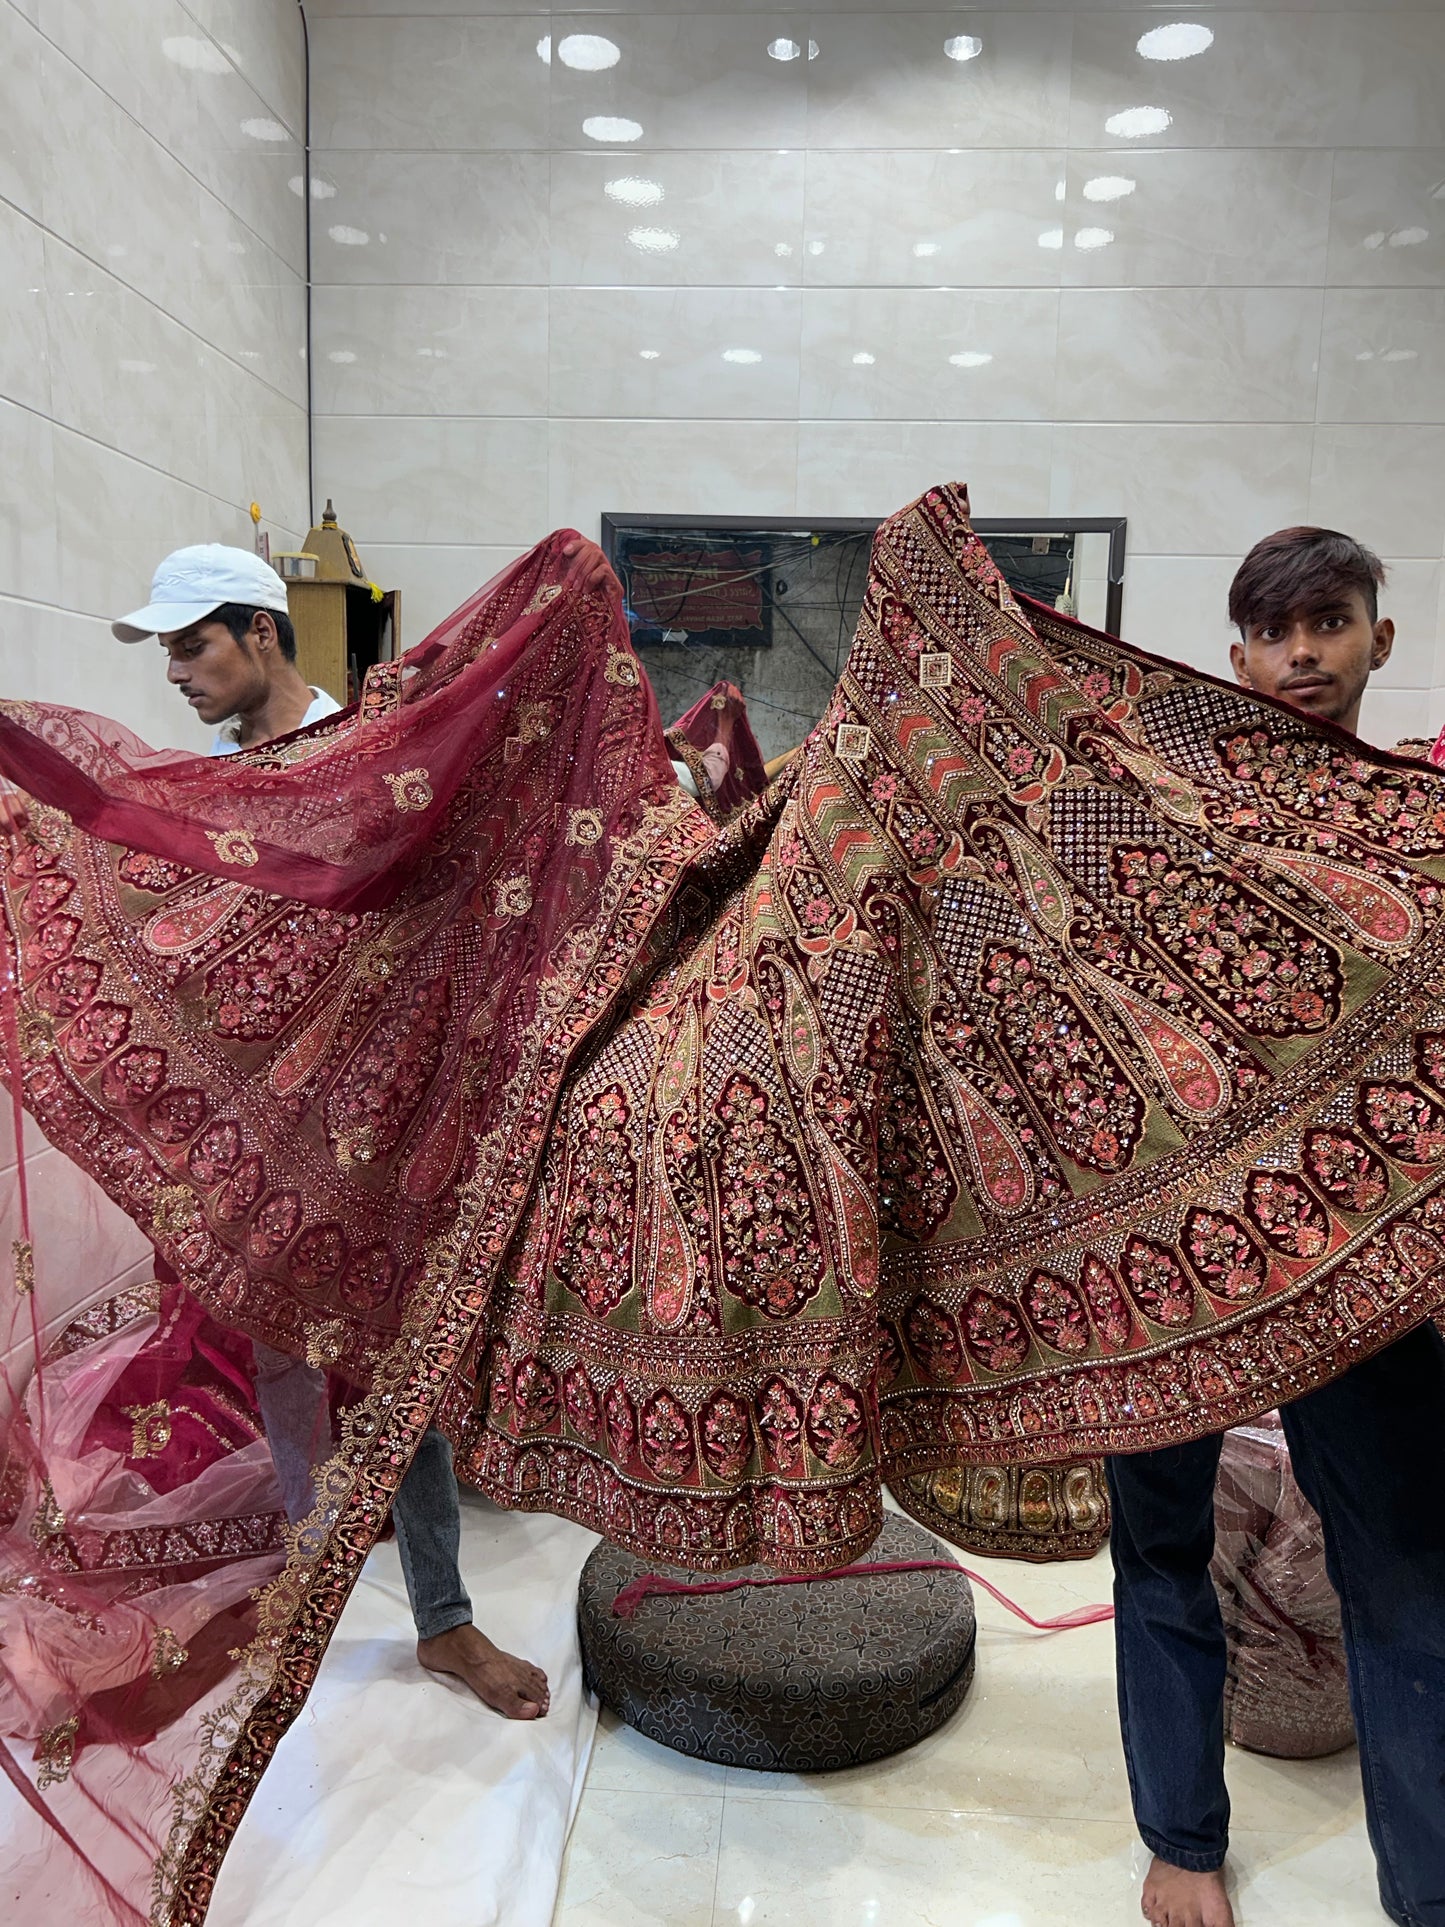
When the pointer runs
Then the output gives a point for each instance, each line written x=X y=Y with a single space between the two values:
x=795 y=1677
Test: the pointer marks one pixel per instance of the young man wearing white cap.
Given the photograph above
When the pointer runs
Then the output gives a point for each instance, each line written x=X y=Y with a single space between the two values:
x=220 y=614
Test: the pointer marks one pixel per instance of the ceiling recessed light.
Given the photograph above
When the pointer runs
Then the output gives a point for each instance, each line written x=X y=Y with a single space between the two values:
x=781 y=49
x=1093 y=237
x=1135 y=122
x=1180 y=40
x=1052 y=237
x=963 y=46
x=544 y=48
x=1108 y=187
x=608 y=127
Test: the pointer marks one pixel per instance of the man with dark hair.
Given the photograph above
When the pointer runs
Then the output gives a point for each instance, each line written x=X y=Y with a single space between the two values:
x=221 y=616
x=1368 y=1449
x=1306 y=605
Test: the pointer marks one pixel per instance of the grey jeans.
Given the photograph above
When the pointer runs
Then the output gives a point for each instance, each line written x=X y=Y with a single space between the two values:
x=294 y=1411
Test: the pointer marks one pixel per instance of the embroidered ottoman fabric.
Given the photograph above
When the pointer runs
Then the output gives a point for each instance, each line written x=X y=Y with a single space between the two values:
x=796 y=1678
x=1038 y=1512
x=1287 y=1692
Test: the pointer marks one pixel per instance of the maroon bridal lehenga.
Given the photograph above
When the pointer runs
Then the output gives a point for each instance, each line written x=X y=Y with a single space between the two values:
x=1052 y=1062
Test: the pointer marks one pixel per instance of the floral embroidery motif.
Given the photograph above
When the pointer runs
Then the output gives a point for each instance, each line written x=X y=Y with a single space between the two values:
x=836 y=1426
x=55 y=1753
x=1157 y=1282
x=622 y=669
x=853 y=742
x=1347 y=1171
x=411 y=789
x=168 y=1655
x=514 y=897
x=1223 y=1256
x=666 y=1438
x=1096 y=1112
x=1058 y=1313
x=1287 y=1212
x=584 y=826
x=150 y=1429
x=727 y=1436
x=994 y=1332
x=236 y=847
x=1404 y=1121
x=1272 y=976
x=772 y=1254
x=593 y=1254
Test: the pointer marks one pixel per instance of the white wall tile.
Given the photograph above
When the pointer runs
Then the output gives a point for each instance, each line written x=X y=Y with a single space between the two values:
x=1383 y=360
x=672 y=467
x=883 y=79
x=1177 y=606
x=687 y=352
x=24 y=126
x=1385 y=486
x=686 y=79
x=873 y=468
x=962 y=354
x=430 y=351
x=29 y=561
x=433 y=580
x=56 y=655
x=412 y=479
x=466 y=219
x=1246 y=217
x=24 y=336
x=1188 y=354
x=1187 y=489
x=901 y=217
x=1411 y=599
x=263 y=39
x=449 y=83
x=675 y=218
x=1387 y=225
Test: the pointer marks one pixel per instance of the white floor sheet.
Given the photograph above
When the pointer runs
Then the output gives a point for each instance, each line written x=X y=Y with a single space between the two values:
x=397 y=1797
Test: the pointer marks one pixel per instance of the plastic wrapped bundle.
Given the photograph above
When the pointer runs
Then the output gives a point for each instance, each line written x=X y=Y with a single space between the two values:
x=1287 y=1692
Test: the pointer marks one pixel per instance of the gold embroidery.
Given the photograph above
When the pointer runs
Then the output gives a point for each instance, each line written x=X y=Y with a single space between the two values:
x=169 y=1655
x=235 y=847
x=172 y=1211
x=23 y=1254
x=584 y=826
x=411 y=790
x=622 y=669
x=514 y=897
x=49 y=1520
x=55 y=1752
x=37 y=1033
x=543 y=596
x=935 y=672
x=150 y=1429
x=325 y=1344
x=854 y=742
x=359 y=1148
x=718 y=702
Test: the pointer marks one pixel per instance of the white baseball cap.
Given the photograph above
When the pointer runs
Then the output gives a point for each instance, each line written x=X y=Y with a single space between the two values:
x=192 y=582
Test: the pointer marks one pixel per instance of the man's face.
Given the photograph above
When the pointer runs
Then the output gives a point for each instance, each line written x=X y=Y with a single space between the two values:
x=1317 y=660
x=218 y=676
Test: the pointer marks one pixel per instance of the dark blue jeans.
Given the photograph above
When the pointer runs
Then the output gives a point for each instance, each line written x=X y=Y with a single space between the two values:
x=1369 y=1453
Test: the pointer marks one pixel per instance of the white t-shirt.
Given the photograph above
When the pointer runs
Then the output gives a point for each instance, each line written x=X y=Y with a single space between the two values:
x=228 y=736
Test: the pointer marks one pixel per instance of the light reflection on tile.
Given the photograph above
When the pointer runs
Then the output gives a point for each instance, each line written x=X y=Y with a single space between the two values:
x=1243 y=217
x=738 y=218
x=1188 y=354
x=469 y=219
x=727 y=352
x=450 y=84
x=872 y=468
x=430 y=351
x=1387 y=225
x=1383 y=361
x=1385 y=486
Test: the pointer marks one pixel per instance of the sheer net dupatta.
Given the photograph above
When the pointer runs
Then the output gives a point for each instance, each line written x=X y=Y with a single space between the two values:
x=721 y=717
x=302 y=1012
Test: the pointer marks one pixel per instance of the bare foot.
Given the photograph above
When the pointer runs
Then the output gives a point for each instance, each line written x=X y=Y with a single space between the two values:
x=1174 y=1898
x=512 y=1687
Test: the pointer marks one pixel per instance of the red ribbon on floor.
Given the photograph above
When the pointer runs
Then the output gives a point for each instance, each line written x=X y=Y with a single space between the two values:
x=653 y=1584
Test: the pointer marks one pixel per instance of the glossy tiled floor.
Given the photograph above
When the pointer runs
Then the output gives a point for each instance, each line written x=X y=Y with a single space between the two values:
x=1015 y=1815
